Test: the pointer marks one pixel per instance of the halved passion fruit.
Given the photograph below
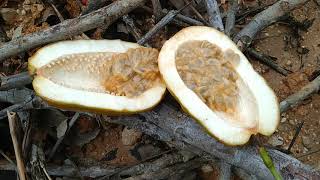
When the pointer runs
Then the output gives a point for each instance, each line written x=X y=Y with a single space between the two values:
x=107 y=76
x=215 y=83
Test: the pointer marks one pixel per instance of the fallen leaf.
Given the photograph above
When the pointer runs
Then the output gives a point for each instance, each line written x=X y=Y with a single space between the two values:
x=62 y=129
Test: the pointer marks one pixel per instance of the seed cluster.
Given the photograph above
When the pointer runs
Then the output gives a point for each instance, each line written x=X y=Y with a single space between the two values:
x=122 y=74
x=210 y=73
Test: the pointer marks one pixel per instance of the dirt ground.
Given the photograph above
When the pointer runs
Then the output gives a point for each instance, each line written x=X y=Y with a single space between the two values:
x=277 y=41
x=272 y=42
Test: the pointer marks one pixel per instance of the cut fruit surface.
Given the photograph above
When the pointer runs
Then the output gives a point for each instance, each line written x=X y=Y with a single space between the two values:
x=215 y=83
x=110 y=76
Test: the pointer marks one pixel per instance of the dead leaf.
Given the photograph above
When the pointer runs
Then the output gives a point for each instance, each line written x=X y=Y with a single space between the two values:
x=9 y=15
x=62 y=129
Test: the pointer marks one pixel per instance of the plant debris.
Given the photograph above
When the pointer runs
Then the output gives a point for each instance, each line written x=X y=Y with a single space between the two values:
x=44 y=142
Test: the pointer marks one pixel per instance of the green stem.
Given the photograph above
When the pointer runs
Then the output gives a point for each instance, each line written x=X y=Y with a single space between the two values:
x=268 y=162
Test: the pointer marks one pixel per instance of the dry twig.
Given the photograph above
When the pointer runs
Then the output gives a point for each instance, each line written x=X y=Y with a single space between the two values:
x=225 y=170
x=13 y=127
x=102 y=17
x=264 y=19
x=243 y=175
x=231 y=17
x=147 y=166
x=214 y=14
x=30 y=102
x=15 y=96
x=156 y=9
x=164 y=21
x=177 y=18
x=68 y=170
x=266 y=60
x=183 y=132
x=15 y=81
x=298 y=97
x=170 y=171
x=195 y=11
x=136 y=32
x=7 y=158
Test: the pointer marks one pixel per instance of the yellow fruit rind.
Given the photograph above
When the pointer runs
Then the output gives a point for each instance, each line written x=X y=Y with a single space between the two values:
x=77 y=107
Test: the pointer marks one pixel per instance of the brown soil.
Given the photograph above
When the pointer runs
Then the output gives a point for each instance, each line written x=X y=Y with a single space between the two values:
x=107 y=147
x=271 y=42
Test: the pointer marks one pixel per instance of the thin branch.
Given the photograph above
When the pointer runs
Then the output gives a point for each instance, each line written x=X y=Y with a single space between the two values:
x=56 y=11
x=7 y=158
x=262 y=20
x=61 y=18
x=136 y=32
x=225 y=170
x=164 y=21
x=102 y=17
x=214 y=14
x=68 y=170
x=163 y=166
x=196 y=12
x=298 y=97
x=244 y=175
x=251 y=11
x=15 y=96
x=179 y=17
x=309 y=153
x=169 y=124
x=143 y=165
x=157 y=9
x=133 y=29
x=13 y=128
x=268 y=61
x=31 y=102
x=231 y=17
x=298 y=129
x=15 y=81
x=155 y=165
x=170 y=171
x=186 y=19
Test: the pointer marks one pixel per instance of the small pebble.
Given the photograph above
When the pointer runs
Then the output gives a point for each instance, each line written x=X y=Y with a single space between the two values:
x=307 y=142
x=276 y=141
x=206 y=168
x=130 y=136
x=283 y=119
x=291 y=121
x=289 y=63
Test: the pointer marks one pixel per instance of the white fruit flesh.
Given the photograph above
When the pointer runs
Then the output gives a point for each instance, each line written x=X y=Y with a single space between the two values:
x=216 y=84
x=103 y=75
